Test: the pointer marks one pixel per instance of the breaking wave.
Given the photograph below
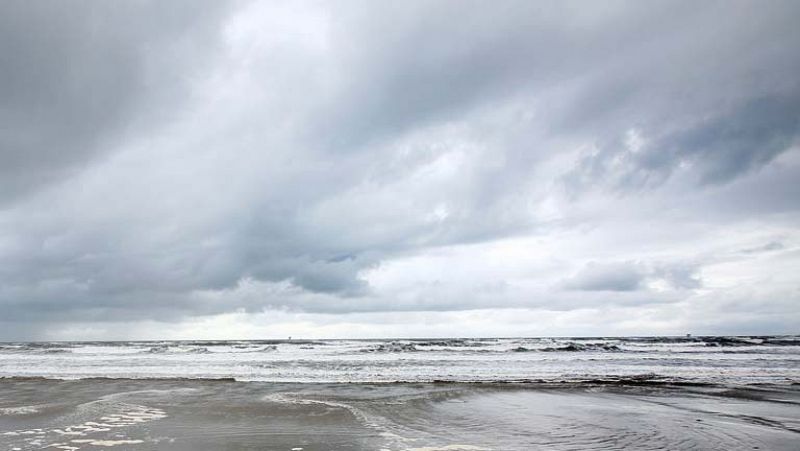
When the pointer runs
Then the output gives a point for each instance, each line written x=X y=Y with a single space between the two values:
x=165 y=349
x=740 y=360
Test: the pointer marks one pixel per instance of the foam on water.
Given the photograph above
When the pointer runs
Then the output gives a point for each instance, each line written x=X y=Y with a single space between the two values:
x=118 y=417
x=736 y=360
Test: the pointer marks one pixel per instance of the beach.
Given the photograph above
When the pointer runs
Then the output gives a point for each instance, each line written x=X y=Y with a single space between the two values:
x=468 y=394
x=214 y=415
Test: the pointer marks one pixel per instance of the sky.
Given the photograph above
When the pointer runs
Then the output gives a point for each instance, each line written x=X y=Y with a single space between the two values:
x=247 y=169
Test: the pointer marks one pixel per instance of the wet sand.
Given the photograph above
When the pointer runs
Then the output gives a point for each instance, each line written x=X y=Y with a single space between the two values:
x=226 y=415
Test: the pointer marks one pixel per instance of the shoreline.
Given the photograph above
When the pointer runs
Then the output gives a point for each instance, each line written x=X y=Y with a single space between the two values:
x=634 y=381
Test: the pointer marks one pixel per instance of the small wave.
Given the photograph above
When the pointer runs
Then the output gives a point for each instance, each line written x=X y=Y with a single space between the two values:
x=164 y=349
x=450 y=343
x=579 y=347
x=204 y=343
x=571 y=347
x=268 y=348
x=35 y=345
x=782 y=341
x=308 y=342
x=731 y=341
x=720 y=341
x=642 y=379
x=392 y=347
x=35 y=348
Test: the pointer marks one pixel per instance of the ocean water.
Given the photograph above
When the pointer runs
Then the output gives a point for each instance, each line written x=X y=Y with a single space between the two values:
x=191 y=415
x=510 y=394
x=700 y=360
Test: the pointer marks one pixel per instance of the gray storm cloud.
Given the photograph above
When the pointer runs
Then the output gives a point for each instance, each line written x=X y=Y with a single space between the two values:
x=78 y=76
x=164 y=162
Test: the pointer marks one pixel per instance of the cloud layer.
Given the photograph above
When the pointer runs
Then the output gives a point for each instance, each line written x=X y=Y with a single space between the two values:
x=277 y=168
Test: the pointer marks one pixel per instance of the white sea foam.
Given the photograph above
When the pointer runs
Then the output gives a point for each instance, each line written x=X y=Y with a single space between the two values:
x=125 y=416
x=705 y=359
x=21 y=410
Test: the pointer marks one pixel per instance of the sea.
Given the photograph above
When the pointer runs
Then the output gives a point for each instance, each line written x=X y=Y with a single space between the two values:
x=705 y=359
x=452 y=394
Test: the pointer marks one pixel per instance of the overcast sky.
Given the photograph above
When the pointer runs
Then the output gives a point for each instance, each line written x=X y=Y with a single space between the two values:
x=405 y=168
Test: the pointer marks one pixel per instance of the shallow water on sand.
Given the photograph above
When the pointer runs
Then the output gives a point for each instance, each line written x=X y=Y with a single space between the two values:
x=213 y=415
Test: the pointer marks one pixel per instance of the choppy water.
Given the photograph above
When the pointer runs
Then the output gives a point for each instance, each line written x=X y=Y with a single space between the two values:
x=715 y=360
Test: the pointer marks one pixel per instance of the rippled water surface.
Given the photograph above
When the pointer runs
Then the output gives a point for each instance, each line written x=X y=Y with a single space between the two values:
x=212 y=415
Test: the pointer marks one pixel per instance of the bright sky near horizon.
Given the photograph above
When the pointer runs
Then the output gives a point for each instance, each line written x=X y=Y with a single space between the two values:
x=209 y=169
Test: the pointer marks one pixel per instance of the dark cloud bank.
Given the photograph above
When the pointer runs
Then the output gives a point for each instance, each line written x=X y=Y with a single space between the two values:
x=172 y=161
